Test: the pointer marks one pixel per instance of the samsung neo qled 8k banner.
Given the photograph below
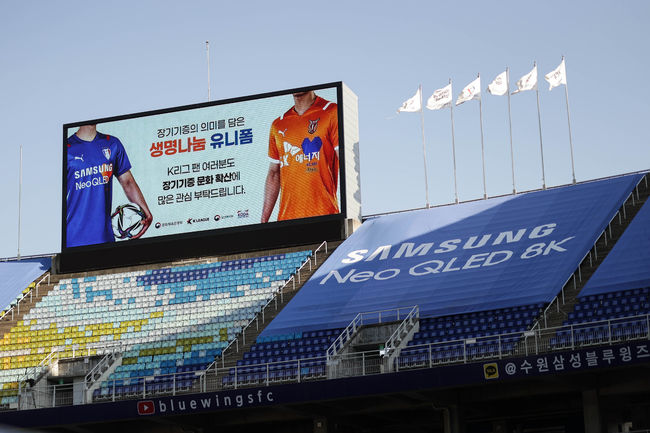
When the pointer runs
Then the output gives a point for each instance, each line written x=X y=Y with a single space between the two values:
x=258 y=160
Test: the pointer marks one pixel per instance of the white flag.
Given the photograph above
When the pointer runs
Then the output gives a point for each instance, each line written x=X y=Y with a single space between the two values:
x=471 y=91
x=441 y=98
x=557 y=76
x=499 y=86
x=528 y=81
x=412 y=104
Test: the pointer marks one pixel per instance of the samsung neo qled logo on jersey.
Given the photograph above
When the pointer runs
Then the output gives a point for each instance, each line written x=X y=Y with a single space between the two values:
x=106 y=171
x=95 y=181
x=450 y=264
x=89 y=171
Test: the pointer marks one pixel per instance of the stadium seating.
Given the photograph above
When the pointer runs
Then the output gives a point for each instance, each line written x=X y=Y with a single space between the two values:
x=480 y=274
x=283 y=358
x=167 y=323
x=302 y=356
x=434 y=259
x=606 y=317
x=472 y=335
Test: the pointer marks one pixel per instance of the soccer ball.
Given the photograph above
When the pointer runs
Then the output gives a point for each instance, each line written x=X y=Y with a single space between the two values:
x=127 y=221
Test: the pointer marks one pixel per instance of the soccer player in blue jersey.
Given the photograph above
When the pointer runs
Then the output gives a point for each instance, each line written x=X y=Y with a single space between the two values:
x=93 y=159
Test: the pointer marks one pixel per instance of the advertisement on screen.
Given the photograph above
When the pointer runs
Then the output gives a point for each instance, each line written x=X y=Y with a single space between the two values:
x=258 y=160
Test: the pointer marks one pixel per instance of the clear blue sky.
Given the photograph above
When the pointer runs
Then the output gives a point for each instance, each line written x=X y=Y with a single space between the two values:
x=67 y=61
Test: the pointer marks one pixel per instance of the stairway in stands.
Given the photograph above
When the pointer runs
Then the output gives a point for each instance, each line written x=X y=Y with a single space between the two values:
x=244 y=341
x=596 y=256
x=38 y=293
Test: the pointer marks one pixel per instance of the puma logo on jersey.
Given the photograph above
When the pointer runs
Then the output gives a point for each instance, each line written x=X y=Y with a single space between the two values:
x=80 y=157
x=290 y=148
x=282 y=132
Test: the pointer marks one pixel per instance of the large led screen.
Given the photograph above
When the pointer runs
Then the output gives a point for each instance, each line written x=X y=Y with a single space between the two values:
x=255 y=160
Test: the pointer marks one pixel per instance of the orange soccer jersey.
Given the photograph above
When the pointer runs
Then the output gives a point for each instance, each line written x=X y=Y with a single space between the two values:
x=306 y=148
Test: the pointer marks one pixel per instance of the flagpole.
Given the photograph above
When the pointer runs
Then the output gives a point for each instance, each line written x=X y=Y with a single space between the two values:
x=453 y=141
x=512 y=154
x=480 y=110
x=539 y=121
x=207 y=52
x=424 y=151
x=20 y=190
x=568 y=116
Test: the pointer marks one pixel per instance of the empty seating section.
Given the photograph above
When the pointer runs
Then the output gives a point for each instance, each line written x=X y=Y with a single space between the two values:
x=605 y=317
x=163 y=321
x=283 y=358
x=490 y=333
x=614 y=304
x=480 y=273
x=302 y=355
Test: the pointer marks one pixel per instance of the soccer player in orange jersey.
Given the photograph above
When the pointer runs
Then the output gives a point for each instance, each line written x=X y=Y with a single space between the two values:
x=304 y=154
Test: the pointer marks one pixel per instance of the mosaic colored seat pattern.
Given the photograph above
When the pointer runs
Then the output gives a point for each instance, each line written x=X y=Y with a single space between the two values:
x=163 y=321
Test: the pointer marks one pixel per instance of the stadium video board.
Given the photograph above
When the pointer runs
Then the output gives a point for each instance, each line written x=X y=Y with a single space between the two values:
x=237 y=163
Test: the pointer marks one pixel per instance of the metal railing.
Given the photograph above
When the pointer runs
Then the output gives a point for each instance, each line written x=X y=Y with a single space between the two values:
x=218 y=379
x=518 y=344
x=568 y=337
x=23 y=296
x=359 y=364
x=35 y=371
x=31 y=256
x=49 y=396
x=322 y=245
x=96 y=373
x=296 y=371
x=274 y=300
x=366 y=318
x=147 y=386
x=555 y=303
x=366 y=217
x=403 y=328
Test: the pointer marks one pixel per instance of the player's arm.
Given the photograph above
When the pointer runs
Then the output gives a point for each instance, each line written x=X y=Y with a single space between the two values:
x=334 y=131
x=271 y=190
x=133 y=193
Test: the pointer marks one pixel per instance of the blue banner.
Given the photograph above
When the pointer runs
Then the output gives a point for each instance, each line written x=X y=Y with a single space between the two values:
x=16 y=275
x=481 y=255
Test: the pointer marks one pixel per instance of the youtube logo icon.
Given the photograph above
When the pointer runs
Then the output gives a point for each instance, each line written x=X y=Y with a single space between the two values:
x=146 y=407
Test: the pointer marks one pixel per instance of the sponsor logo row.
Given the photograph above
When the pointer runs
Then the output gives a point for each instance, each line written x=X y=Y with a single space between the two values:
x=192 y=221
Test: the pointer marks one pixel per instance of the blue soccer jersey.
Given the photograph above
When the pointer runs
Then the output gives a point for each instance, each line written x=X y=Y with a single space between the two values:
x=91 y=166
